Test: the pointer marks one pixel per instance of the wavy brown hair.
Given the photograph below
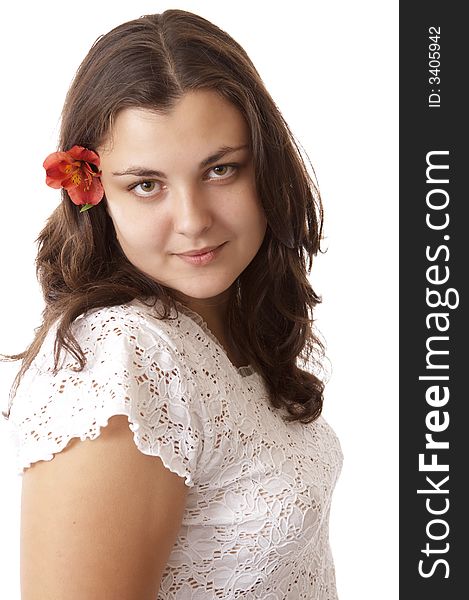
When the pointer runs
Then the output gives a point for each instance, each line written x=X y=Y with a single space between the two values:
x=150 y=63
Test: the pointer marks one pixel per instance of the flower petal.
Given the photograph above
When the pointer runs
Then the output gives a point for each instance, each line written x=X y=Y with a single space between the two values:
x=56 y=158
x=93 y=195
x=54 y=183
x=57 y=175
x=80 y=153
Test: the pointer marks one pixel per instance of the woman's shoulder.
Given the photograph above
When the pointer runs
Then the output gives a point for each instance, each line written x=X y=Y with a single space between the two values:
x=132 y=368
x=133 y=324
x=110 y=333
x=131 y=317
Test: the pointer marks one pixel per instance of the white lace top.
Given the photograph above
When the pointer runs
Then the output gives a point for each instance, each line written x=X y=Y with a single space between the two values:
x=257 y=514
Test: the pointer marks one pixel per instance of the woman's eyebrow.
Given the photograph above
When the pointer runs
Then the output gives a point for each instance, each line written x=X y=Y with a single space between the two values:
x=220 y=153
x=144 y=172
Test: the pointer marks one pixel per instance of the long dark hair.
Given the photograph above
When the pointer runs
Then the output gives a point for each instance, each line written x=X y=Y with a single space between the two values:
x=151 y=62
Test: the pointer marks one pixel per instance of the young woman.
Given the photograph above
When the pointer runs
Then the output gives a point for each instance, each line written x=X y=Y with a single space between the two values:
x=171 y=445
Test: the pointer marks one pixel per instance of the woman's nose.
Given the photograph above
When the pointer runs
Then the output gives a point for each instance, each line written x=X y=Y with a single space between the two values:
x=191 y=212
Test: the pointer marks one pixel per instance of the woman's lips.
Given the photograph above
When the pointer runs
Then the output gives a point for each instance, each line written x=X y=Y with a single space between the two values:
x=201 y=259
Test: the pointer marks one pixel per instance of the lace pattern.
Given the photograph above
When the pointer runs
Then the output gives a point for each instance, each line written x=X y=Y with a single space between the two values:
x=257 y=515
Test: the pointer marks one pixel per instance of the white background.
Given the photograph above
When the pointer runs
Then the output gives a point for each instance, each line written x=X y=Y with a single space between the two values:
x=332 y=69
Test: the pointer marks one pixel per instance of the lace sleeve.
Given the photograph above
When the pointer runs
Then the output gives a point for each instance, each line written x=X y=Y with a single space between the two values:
x=130 y=370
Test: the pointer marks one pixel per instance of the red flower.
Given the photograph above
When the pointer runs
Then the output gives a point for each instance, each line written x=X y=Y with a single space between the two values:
x=73 y=171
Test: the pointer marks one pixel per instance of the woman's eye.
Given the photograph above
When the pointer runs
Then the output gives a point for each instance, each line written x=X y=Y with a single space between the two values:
x=146 y=188
x=223 y=171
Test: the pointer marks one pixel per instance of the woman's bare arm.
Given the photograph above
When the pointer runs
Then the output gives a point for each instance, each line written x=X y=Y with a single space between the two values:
x=99 y=520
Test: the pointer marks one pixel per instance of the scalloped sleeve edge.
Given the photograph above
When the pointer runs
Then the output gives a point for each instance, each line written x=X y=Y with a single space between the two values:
x=164 y=452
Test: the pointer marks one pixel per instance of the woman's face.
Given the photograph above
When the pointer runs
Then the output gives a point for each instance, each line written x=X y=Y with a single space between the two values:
x=184 y=181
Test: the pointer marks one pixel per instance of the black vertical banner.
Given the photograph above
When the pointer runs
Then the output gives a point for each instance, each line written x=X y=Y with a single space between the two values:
x=434 y=273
